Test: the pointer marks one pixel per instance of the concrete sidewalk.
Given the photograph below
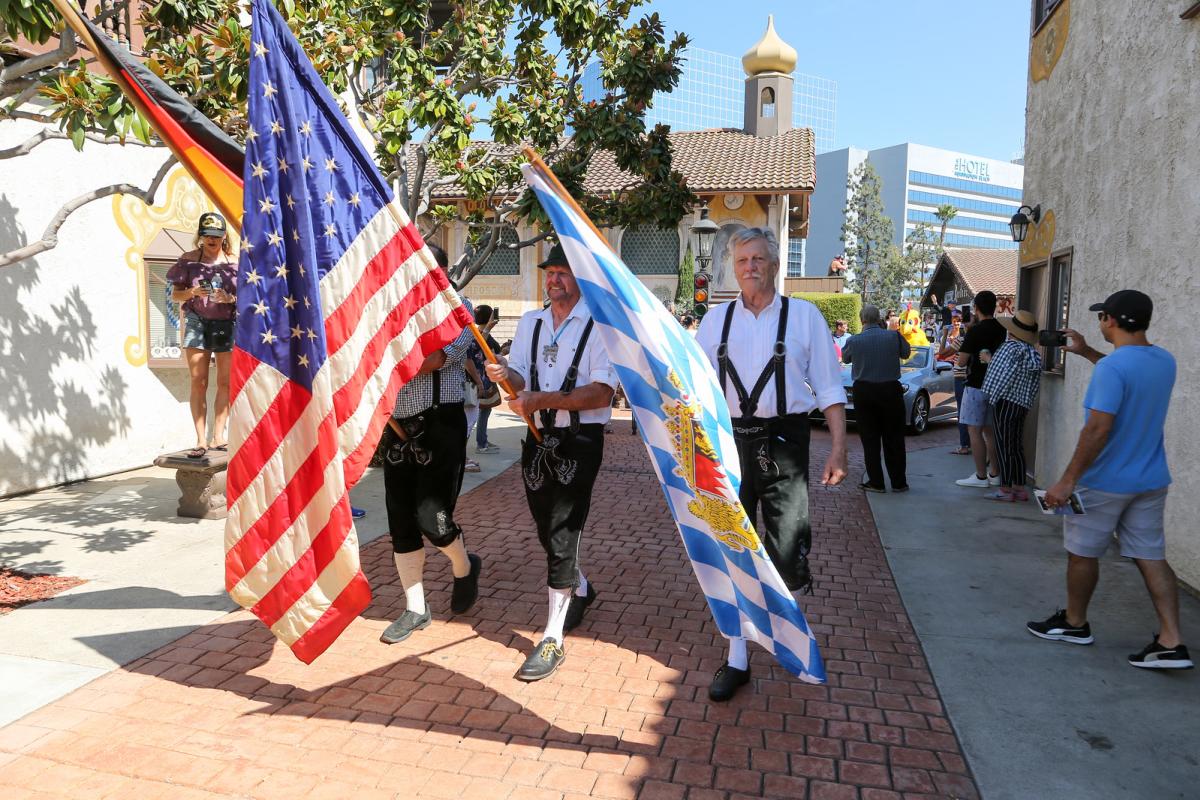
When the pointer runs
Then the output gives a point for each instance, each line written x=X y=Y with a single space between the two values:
x=1036 y=718
x=152 y=577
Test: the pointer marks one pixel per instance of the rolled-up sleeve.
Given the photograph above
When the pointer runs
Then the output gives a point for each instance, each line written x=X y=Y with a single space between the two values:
x=824 y=371
x=518 y=353
x=458 y=350
x=600 y=368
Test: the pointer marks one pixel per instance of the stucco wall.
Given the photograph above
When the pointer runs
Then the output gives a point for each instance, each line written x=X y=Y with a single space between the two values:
x=73 y=405
x=1111 y=149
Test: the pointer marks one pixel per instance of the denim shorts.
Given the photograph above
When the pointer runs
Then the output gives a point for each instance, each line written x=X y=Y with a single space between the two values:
x=1137 y=519
x=974 y=409
x=214 y=335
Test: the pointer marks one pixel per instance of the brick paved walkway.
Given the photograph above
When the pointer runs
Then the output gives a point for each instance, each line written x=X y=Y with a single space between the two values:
x=223 y=712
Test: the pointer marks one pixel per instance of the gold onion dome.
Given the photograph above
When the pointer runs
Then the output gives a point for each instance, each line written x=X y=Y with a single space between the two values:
x=771 y=54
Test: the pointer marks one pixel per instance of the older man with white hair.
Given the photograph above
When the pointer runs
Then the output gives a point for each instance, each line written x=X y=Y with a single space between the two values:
x=776 y=363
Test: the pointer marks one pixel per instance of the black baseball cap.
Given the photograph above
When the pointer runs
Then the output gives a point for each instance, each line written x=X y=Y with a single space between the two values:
x=212 y=224
x=1129 y=306
x=557 y=258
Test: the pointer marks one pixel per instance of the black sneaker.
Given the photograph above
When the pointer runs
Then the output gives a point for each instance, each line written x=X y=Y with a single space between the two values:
x=542 y=662
x=466 y=589
x=402 y=628
x=870 y=487
x=1155 y=656
x=726 y=682
x=577 y=606
x=1058 y=629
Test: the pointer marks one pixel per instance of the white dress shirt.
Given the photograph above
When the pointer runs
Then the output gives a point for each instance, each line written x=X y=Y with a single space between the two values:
x=812 y=374
x=594 y=367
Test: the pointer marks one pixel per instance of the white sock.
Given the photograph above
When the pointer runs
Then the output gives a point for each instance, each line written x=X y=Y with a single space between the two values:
x=411 y=568
x=456 y=551
x=559 y=600
x=581 y=589
x=738 y=659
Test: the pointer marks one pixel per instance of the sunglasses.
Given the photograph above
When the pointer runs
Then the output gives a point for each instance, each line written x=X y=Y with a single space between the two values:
x=1102 y=315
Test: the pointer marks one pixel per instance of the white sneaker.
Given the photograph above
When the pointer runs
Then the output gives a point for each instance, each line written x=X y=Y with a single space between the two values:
x=993 y=480
x=973 y=481
x=488 y=448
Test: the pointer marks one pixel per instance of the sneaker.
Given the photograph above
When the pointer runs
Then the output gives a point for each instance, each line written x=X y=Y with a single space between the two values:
x=404 y=627
x=471 y=466
x=726 y=682
x=870 y=487
x=973 y=481
x=488 y=448
x=1058 y=629
x=466 y=589
x=357 y=513
x=993 y=480
x=1155 y=656
x=542 y=662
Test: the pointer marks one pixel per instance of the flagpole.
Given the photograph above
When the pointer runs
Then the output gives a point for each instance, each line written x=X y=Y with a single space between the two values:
x=552 y=179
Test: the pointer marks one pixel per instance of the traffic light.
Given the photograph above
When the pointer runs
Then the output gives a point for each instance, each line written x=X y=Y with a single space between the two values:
x=700 y=296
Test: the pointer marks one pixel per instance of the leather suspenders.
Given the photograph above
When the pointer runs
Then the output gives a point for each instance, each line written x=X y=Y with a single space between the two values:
x=548 y=414
x=749 y=402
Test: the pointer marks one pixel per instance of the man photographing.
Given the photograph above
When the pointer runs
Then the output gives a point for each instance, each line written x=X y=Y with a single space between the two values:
x=1120 y=471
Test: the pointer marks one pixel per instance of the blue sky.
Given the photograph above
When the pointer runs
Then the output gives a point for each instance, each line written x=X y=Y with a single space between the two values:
x=950 y=75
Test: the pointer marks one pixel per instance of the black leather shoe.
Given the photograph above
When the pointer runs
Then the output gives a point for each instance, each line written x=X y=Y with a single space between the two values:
x=577 y=606
x=542 y=662
x=402 y=628
x=726 y=682
x=466 y=589
x=903 y=488
x=870 y=487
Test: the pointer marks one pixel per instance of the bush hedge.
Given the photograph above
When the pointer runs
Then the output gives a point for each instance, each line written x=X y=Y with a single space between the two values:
x=835 y=306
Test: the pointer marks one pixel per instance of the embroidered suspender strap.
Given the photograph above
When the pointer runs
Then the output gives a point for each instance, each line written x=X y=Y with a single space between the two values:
x=437 y=388
x=749 y=402
x=572 y=376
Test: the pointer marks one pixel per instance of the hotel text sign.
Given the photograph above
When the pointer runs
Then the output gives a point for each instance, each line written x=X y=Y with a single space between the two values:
x=972 y=170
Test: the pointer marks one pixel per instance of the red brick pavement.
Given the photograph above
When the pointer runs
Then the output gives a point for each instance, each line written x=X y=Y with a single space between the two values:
x=226 y=712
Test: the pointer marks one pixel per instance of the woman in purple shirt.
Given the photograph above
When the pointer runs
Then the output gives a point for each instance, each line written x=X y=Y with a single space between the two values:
x=204 y=280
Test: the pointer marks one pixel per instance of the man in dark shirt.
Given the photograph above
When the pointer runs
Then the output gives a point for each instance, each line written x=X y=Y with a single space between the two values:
x=879 y=399
x=983 y=339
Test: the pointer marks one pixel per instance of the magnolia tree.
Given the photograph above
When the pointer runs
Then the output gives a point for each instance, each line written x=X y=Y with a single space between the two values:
x=428 y=79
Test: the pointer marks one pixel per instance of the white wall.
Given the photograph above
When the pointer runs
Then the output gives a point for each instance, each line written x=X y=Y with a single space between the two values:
x=1111 y=150
x=73 y=405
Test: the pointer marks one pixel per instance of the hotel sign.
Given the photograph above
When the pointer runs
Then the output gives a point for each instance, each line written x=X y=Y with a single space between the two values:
x=972 y=170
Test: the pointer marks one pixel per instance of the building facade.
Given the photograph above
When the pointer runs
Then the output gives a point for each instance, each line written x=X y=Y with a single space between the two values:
x=710 y=95
x=916 y=180
x=1111 y=160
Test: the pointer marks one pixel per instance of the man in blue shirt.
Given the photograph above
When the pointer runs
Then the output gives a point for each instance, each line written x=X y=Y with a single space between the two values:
x=1120 y=470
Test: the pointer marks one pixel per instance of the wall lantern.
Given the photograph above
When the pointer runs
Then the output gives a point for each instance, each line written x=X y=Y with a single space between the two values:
x=1019 y=224
x=705 y=230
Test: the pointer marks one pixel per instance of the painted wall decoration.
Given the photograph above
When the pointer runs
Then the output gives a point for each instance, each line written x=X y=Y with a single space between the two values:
x=1039 y=240
x=1049 y=42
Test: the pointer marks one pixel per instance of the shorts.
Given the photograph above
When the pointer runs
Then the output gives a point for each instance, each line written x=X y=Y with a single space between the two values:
x=975 y=409
x=214 y=335
x=1136 y=518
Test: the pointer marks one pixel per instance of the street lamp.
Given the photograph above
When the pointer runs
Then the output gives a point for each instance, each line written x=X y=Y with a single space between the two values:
x=706 y=231
x=1019 y=224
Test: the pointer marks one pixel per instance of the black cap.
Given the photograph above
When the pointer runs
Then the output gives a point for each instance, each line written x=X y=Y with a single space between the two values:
x=212 y=224
x=557 y=258
x=1129 y=306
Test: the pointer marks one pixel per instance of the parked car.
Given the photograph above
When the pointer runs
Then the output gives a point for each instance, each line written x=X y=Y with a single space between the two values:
x=928 y=391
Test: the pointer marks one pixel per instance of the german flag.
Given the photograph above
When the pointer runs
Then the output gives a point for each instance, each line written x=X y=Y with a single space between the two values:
x=208 y=153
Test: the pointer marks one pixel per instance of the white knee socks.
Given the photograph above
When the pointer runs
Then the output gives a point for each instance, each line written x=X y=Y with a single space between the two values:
x=411 y=569
x=560 y=599
x=456 y=551
x=581 y=589
x=738 y=658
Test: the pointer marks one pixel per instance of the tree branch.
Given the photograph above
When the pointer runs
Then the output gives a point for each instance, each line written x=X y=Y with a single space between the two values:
x=47 y=134
x=49 y=238
x=66 y=48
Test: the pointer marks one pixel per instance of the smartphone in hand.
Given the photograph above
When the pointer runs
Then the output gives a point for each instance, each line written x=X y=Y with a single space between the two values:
x=1074 y=506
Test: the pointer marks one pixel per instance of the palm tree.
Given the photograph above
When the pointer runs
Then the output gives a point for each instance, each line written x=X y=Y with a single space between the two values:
x=945 y=212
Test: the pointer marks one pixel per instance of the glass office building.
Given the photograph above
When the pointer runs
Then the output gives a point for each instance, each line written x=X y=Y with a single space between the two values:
x=711 y=91
x=915 y=181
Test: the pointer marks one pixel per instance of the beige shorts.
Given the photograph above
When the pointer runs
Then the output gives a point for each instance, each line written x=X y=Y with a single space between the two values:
x=1137 y=519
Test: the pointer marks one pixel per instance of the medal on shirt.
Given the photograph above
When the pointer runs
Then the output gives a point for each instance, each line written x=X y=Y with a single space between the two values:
x=550 y=354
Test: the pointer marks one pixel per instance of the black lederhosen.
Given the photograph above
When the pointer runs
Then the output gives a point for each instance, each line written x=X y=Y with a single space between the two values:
x=559 y=474
x=773 y=453
x=423 y=476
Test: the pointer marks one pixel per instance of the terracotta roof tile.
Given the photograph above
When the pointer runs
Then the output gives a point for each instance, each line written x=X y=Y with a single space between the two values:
x=714 y=160
x=982 y=269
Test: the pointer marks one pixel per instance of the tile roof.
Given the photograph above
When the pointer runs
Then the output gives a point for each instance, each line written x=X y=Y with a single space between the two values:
x=982 y=269
x=714 y=160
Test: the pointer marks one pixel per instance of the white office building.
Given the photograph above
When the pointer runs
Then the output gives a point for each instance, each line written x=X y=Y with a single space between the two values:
x=915 y=181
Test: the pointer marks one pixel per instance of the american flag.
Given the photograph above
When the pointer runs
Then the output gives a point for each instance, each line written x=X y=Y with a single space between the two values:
x=338 y=302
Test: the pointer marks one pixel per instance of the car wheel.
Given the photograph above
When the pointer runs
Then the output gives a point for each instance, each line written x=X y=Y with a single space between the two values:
x=920 y=415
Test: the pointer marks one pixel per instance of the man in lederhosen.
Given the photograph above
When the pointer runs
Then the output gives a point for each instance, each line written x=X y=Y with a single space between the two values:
x=564 y=380
x=422 y=476
x=768 y=351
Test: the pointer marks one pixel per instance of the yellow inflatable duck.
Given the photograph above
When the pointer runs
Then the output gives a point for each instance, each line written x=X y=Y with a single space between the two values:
x=910 y=328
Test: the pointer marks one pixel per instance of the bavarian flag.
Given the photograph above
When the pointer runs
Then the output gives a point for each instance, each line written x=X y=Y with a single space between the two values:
x=212 y=158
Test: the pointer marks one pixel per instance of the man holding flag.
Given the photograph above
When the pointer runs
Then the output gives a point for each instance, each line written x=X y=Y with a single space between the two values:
x=563 y=375
x=779 y=347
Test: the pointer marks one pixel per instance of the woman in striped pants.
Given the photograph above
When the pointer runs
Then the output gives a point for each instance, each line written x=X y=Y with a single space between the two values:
x=1011 y=386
